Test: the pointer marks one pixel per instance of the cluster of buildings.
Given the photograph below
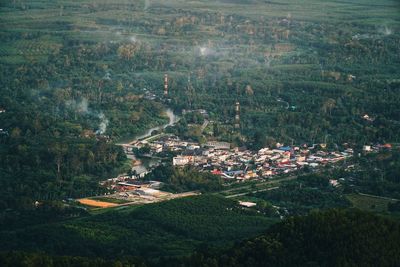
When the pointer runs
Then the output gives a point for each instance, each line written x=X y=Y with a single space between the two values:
x=202 y=112
x=125 y=183
x=376 y=147
x=240 y=163
x=246 y=164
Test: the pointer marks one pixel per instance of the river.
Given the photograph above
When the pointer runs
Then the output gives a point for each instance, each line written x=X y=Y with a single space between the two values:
x=146 y=163
x=172 y=120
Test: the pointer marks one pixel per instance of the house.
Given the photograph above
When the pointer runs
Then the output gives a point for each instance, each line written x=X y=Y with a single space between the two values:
x=285 y=148
x=263 y=151
x=156 y=148
x=218 y=145
x=367 y=118
x=182 y=160
x=216 y=172
x=387 y=146
x=247 y=204
x=334 y=183
x=268 y=173
x=367 y=148
x=301 y=158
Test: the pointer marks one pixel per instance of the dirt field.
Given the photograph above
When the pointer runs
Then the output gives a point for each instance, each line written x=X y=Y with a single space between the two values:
x=95 y=203
x=133 y=199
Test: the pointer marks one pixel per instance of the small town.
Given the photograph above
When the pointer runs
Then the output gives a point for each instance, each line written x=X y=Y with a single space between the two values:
x=237 y=163
x=232 y=164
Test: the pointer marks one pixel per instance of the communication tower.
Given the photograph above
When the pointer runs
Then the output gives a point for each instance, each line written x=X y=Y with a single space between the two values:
x=165 y=85
x=190 y=91
x=237 y=115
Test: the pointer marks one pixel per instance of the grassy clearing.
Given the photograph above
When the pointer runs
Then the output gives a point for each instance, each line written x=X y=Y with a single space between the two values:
x=369 y=203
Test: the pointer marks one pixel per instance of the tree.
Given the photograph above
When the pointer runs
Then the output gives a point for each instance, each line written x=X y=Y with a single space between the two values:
x=328 y=105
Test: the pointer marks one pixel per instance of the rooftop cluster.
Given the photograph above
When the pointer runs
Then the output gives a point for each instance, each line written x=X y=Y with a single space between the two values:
x=241 y=163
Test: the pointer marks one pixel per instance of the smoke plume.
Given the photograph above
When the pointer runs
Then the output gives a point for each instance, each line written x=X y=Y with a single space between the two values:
x=82 y=107
x=146 y=4
x=103 y=124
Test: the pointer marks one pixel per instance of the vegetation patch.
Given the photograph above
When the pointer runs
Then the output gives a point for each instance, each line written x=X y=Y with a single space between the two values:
x=169 y=228
x=370 y=203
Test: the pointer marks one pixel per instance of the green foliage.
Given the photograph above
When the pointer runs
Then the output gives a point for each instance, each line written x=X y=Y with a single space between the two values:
x=46 y=212
x=194 y=117
x=306 y=193
x=185 y=179
x=55 y=100
x=265 y=207
x=170 y=228
x=394 y=206
x=332 y=238
x=376 y=174
x=371 y=203
x=22 y=259
x=45 y=159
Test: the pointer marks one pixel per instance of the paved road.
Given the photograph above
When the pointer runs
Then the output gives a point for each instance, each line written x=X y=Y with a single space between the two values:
x=143 y=200
x=205 y=123
x=249 y=186
x=255 y=191
x=386 y=198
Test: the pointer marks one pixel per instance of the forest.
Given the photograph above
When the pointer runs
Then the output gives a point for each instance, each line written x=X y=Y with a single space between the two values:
x=171 y=228
x=307 y=193
x=332 y=238
x=376 y=174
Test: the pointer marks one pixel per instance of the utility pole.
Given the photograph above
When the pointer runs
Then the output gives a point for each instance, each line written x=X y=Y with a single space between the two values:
x=165 y=85
x=190 y=91
x=237 y=115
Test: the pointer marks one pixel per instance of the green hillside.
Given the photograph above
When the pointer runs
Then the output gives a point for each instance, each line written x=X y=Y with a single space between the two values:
x=333 y=238
x=172 y=228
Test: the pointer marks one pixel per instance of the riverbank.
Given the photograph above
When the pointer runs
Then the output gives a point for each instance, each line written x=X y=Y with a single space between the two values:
x=172 y=119
x=145 y=164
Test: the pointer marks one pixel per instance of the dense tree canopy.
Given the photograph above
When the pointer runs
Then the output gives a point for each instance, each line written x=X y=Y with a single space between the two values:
x=333 y=238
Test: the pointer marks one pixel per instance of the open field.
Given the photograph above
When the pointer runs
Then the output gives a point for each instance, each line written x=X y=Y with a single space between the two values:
x=96 y=203
x=110 y=199
x=134 y=198
x=369 y=203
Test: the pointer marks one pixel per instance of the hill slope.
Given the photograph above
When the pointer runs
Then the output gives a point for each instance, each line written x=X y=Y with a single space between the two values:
x=332 y=238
